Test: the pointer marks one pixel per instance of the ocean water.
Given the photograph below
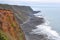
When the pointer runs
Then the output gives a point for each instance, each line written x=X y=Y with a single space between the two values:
x=51 y=27
x=52 y=14
x=46 y=29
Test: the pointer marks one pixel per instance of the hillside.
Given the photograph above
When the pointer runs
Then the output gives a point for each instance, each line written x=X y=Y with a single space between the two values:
x=24 y=15
x=9 y=27
x=21 y=12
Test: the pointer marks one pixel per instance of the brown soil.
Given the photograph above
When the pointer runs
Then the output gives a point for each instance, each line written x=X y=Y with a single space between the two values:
x=9 y=25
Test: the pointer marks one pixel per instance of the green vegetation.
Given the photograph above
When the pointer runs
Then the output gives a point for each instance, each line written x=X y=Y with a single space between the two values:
x=13 y=25
x=3 y=36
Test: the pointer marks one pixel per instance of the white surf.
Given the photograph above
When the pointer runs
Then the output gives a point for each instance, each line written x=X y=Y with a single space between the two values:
x=45 y=29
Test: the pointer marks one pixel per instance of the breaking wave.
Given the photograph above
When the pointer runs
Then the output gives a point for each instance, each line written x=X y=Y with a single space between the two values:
x=45 y=29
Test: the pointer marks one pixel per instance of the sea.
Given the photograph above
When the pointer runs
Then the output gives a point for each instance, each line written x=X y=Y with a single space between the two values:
x=51 y=27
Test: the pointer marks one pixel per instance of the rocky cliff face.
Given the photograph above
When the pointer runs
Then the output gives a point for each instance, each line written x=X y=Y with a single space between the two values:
x=24 y=16
x=22 y=13
x=9 y=28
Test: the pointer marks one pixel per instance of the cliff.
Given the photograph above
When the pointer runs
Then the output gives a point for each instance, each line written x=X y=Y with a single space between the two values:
x=9 y=27
x=25 y=18
x=22 y=13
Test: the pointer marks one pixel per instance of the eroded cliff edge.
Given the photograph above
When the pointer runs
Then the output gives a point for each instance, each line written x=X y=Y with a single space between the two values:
x=26 y=18
x=21 y=12
x=9 y=27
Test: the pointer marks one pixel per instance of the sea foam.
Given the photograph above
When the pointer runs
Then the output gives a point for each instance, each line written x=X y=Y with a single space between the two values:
x=45 y=29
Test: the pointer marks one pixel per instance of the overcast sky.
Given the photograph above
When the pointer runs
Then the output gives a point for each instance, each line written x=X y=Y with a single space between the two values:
x=33 y=3
x=29 y=1
x=41 y=1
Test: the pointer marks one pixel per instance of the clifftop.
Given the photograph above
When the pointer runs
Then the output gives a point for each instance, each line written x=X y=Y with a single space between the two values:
x=22 y=13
